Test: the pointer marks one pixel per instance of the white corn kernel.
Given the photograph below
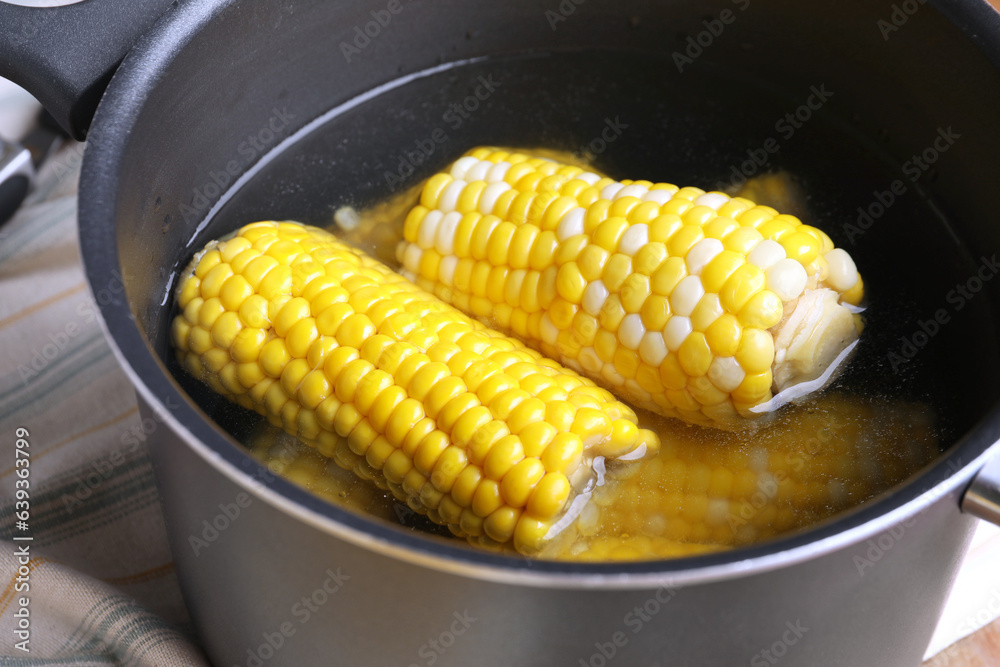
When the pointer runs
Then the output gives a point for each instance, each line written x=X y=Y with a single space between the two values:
x=633 y=190
x=571 y=224
x=843 y=272
x=463 y=165
x=488 y=199
x=653 y=349
x=594 y=297
x=347 y=218
x=676 y=332
x=449 y=198
x=611 y=190
x=478 y=172
x=713 y=200
x=612 y=376
x=661 y=197
x=786 y=278
x=444 y=239
x=497 y=172
x=766 y=254
x=726 y=373
x=427 y=233
x=703 y=252
x=548 y=330
x=411 y=257
x=447 y=270
x=631 y=331
x=686 y=296
x=590 y=361
x=633 y=239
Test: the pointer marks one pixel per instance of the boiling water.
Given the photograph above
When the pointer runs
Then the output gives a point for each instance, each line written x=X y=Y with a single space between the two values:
x=928 y=338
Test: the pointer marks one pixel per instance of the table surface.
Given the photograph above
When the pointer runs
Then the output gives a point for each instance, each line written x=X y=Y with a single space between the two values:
x=981 y=649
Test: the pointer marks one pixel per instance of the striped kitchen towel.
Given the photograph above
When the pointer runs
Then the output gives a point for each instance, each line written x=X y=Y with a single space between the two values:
x=95 y=584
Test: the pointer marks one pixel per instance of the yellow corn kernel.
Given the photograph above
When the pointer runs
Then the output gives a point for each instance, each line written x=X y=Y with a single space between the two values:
x=634 y=292
x=720 y=227
x=668 y=276
x=755 y=353
x=551 y=491
x=801 y=246
x=520 y=481
x=763 y=311
x=744 y=283
x=570 y=283
x=684 y=239
x=695 y=355
x=608 y=233
x=655 y=312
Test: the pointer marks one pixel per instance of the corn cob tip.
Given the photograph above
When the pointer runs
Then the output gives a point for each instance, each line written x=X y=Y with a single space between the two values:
x=818 y=329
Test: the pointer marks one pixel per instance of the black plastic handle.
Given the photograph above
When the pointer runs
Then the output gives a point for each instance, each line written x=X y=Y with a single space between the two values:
x=65 y=56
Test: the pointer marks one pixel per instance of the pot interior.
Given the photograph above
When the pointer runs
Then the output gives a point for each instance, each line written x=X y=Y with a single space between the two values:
x=292 y=111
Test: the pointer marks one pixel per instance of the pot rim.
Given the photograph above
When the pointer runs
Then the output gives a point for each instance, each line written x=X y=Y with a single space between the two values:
x=941 y=481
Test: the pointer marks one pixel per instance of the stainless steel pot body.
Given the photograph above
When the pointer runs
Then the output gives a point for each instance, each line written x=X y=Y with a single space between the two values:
x=217 y=91
x=267 y=588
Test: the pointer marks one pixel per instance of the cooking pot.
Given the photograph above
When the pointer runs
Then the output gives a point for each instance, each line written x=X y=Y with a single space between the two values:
x=223 y=111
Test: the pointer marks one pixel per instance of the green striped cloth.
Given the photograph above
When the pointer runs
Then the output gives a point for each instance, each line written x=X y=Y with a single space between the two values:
x=96 y=584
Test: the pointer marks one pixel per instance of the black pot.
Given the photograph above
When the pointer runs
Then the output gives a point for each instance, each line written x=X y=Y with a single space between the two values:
x=226 y=111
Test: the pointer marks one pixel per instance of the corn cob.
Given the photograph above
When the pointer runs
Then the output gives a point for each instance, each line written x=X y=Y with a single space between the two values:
x=722 y=489
x=482 y=433
x=691 y=304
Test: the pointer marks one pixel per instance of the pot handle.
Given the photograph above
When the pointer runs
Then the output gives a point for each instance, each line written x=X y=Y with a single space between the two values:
x=982 y=498
x=65 y=56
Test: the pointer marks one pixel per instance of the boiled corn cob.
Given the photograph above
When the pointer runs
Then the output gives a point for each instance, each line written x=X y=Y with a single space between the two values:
x=722 y=489
x=482 y=433
x=688 y=303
